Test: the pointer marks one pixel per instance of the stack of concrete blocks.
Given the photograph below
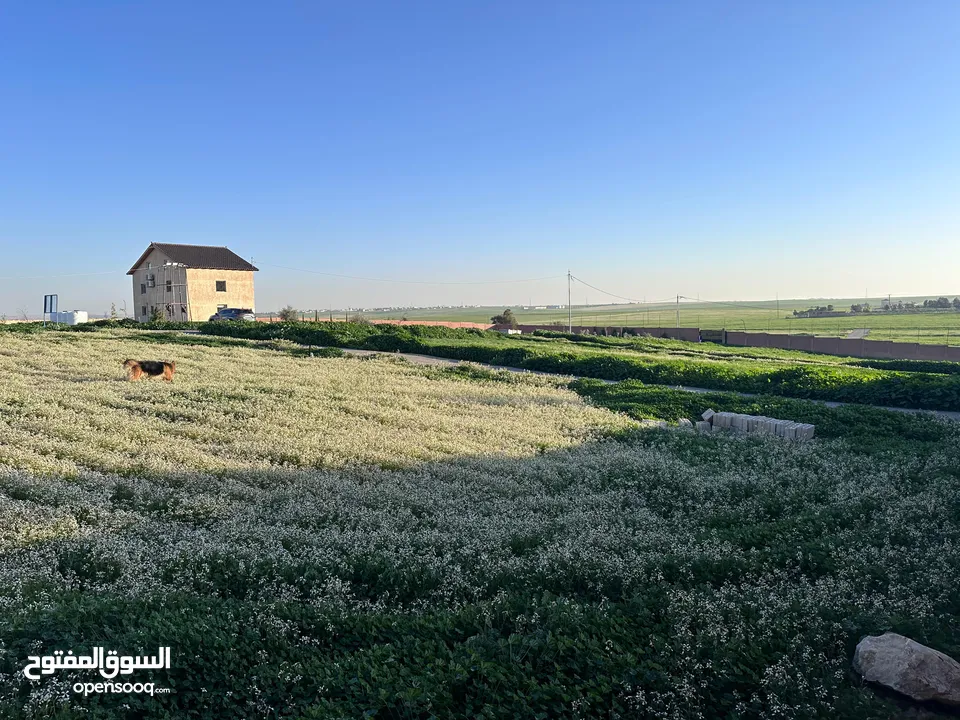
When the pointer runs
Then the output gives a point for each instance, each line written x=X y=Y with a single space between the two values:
x=756 y=424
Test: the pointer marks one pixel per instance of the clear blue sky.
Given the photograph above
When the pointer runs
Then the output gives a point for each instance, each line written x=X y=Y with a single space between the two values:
x=728 y=149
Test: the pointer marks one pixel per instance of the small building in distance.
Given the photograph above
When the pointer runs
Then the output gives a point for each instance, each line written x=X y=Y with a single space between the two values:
x=190 y=282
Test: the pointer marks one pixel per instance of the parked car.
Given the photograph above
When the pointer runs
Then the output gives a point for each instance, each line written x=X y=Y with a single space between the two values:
x=233 y=314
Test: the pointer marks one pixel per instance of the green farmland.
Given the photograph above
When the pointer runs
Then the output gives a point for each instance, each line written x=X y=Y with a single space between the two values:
x=935 y=327
x=375 y=539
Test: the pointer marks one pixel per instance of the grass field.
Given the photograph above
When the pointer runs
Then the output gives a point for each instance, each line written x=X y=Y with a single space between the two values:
x=761 y=316
x=344 y=538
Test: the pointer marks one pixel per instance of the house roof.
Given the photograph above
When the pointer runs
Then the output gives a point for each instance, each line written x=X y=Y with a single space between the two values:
x=197 y=256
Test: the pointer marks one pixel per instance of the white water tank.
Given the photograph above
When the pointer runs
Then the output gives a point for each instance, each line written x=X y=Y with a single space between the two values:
x=72 y=317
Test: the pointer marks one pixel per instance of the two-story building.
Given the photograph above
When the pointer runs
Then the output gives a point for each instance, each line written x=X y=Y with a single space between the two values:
x=190 y=282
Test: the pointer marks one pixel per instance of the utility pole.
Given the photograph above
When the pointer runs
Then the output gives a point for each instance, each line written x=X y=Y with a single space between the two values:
x=569 y=300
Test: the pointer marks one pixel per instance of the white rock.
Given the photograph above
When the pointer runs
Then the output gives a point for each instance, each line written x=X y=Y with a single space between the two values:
x=684 y=423
x=908 y=667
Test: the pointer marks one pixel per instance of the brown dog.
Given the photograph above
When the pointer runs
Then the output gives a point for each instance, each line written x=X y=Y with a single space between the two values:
x=136 y=369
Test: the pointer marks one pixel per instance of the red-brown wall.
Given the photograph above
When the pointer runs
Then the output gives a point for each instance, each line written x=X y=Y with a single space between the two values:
x=842 y=346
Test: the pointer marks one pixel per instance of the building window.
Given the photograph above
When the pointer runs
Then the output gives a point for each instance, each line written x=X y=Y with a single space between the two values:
x=143 y=310
x=143 y=288
x=169 y=285
x=221 y=285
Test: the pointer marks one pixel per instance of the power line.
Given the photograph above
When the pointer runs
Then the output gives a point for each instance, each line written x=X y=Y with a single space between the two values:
x=50 y=277
x=621 y=297
x=314 y=272
x=414 y=282
x=593 y=287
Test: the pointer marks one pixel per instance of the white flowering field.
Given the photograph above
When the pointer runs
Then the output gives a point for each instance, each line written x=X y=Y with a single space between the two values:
x=344 y=538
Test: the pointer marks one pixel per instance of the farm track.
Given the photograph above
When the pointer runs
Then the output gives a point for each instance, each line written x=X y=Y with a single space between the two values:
x=447 y=362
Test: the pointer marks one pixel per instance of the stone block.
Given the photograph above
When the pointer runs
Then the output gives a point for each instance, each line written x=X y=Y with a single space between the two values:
x=904 y=665
x=707 y=414
x=703 y=426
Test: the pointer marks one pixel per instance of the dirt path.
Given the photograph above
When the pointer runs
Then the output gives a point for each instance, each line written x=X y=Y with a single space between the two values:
x=447 y=362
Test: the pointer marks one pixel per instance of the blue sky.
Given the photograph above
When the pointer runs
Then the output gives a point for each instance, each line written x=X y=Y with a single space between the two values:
x=731 y=150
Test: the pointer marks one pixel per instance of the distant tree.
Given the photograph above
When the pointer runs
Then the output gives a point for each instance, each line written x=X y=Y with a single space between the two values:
x=505 y=318
x=288 y=314
x=829 y=308
x=956 y=303
x=359 y=317
x=943 y=302
x=113 y=311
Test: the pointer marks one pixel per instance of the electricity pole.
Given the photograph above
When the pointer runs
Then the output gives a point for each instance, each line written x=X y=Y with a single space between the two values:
x=569 y=300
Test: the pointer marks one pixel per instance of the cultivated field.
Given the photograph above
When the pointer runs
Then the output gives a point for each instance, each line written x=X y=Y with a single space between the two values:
x=942 y=328
x=343 y=538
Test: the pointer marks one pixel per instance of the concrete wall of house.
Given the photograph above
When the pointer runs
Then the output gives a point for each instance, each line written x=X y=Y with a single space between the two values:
x=205 y=299
x=145 y=298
